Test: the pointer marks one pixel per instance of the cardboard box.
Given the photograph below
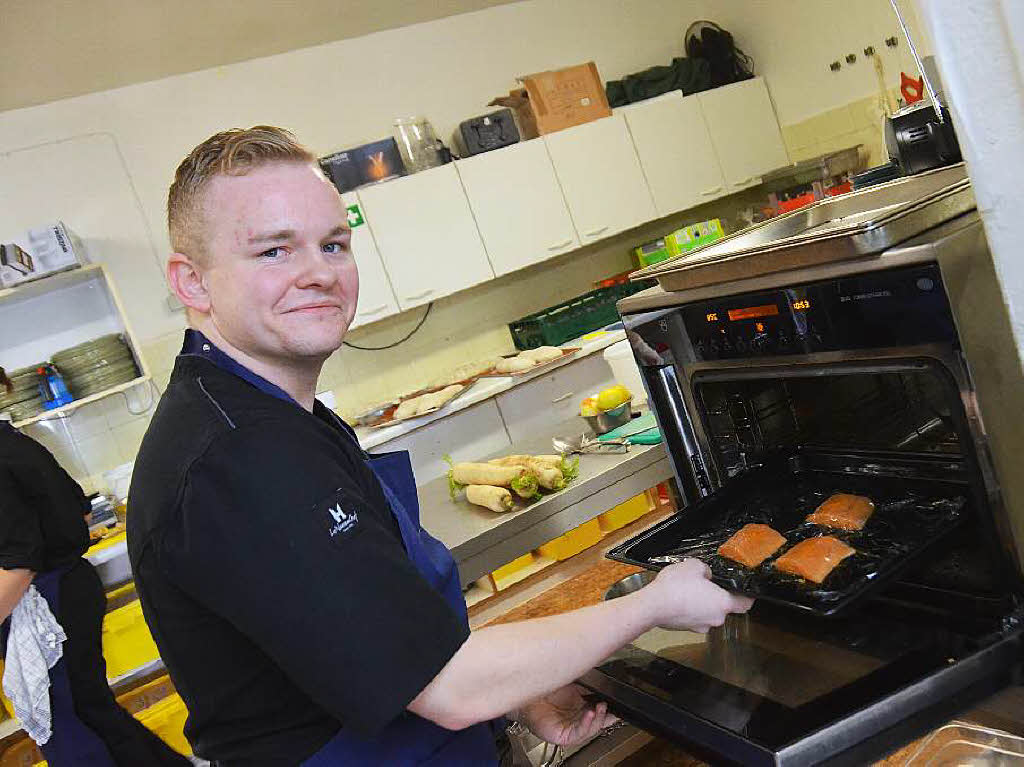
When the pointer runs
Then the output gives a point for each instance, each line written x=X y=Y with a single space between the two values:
x=694 y=236
x=652 y=252
x=366 y=164
x=555 y=100
x=44 y=251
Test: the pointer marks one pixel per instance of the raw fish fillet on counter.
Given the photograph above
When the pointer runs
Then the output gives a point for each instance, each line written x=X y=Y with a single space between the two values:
x=814 y=558
x=843 y=512
x=752 y=544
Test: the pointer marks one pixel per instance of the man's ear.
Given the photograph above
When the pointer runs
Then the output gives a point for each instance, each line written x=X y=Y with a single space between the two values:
x=185 y=279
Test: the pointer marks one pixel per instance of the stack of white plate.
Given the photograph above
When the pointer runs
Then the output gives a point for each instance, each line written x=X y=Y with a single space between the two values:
x=26 y=400
x=96 y=366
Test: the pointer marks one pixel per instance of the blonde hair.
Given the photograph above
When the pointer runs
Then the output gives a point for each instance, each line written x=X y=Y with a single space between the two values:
x=232 y=152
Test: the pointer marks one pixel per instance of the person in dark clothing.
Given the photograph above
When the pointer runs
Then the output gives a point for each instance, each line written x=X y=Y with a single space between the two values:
x=43 y=535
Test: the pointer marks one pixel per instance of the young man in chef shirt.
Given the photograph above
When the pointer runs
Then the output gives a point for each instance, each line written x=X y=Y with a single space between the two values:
x=304 y=616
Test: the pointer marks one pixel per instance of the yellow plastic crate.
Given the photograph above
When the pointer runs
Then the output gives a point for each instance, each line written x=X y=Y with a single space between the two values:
x=127 y=643
x=520 y=563
x=6 y=707
x=625 y=513
x=167 y=720
x=573 y=542
x=146 y=695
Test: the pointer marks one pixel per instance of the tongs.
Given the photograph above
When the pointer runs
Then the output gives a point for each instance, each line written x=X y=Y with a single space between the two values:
x=586 y=444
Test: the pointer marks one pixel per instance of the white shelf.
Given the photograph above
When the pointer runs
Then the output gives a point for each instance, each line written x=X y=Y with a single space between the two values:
x=64 y=410
x=52 y=282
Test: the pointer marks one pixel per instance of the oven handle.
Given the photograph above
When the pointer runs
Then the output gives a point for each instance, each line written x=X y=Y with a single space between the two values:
x=677 y=430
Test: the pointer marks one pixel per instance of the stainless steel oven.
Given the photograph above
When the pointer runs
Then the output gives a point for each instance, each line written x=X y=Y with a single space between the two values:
x=889 y=373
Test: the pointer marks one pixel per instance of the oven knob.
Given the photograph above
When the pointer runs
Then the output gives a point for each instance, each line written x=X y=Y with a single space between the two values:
x=741 y=345
x=713 y=348
x=727 y=347
x=699 y=349
x=783 y=341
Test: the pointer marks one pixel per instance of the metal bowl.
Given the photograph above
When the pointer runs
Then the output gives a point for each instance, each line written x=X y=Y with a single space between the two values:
x=605 y=421
x=629 y=584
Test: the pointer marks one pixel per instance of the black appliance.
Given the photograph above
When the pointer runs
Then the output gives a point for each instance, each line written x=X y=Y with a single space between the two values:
x=890 y=375
x=917 y=140
x=920 y=136
x=490 y=131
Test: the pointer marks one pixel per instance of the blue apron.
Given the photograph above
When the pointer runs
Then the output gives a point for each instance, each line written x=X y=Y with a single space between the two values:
x=410 y=739
x=72 y=742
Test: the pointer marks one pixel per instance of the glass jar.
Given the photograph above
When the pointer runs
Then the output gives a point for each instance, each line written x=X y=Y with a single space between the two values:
x=417 y=143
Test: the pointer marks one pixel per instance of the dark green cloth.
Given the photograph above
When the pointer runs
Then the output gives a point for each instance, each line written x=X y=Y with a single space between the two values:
x=687 y=75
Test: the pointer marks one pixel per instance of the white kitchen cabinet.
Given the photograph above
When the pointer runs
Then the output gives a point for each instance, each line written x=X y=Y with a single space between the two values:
x=376 y=298
x=744 y=131
x=600 y=175
x=531 y=408
x=426 y=235
x=518 y=205
x=675 y=151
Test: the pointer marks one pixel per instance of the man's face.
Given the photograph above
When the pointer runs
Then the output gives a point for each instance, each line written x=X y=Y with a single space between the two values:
x=279 y=271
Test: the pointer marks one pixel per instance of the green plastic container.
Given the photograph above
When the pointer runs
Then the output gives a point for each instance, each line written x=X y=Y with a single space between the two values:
x=694 y=236
x=574 y=318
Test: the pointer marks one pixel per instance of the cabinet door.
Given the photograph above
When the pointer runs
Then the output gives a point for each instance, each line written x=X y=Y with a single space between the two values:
x=675 y=151
x=426 y=234
x=530 y=408
x=600 y=174
x=376 y=298
x=744 y=130
x=518 y=205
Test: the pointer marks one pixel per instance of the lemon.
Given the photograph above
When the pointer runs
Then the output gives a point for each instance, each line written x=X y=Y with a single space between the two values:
x=589 y=407
x=613 y=397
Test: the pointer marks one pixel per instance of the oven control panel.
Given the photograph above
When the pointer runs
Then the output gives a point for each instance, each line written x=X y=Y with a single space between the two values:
x=899 y=307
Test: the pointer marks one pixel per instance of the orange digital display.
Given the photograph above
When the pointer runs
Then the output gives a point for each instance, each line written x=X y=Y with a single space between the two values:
x=802 y=306
x=751 y=312
x=712 y=316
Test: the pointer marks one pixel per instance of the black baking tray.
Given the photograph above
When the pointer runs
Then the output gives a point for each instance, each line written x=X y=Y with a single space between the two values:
x=918 y=502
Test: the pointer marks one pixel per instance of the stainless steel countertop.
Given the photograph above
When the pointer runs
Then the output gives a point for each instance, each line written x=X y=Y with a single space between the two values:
x=481 y=540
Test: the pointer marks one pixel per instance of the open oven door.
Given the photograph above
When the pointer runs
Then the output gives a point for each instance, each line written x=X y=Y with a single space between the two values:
x=784 y=686
x=776 y=689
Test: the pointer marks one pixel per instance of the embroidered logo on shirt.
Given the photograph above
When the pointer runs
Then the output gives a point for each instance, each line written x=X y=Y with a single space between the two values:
x=339 y=513
x=344 y=521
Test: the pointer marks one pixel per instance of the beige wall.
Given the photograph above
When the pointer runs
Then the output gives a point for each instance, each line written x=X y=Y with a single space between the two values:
x=102 y=162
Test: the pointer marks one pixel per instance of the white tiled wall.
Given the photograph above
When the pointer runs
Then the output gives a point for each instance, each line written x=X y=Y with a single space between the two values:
x=99 y=436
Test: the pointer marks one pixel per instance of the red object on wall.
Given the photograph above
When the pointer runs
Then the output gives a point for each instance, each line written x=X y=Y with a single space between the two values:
x=912 y=88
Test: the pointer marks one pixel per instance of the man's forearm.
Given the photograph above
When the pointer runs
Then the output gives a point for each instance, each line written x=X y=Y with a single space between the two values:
x=501 y=668
x=13 y=584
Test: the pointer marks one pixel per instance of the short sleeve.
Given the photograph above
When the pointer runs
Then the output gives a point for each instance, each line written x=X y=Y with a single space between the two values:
x=285 y=546
x=21 y=536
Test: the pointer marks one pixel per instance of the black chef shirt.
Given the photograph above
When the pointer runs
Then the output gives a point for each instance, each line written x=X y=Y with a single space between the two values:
x=42 y=510
x=278 y=629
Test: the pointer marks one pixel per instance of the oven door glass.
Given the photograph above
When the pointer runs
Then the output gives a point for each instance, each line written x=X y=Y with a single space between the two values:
x=775 y=687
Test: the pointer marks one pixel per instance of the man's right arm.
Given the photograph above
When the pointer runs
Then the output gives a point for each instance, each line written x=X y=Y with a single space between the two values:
x=501 y=668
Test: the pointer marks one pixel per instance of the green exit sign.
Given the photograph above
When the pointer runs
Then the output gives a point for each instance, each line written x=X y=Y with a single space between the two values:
x=355 y=216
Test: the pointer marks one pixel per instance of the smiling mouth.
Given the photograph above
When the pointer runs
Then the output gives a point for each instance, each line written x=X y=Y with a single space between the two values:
x=315 y=307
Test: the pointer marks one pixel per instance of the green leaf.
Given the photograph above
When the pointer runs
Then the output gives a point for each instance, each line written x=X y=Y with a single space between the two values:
x=526 y=486
x=570 y=469
x=454 y=488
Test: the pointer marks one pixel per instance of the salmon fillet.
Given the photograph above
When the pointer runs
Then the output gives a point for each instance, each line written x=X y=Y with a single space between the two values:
x=843 y=512
x=751 y=545
x=814 y=558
